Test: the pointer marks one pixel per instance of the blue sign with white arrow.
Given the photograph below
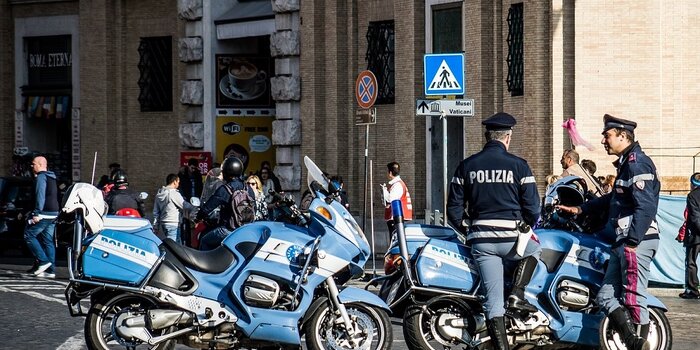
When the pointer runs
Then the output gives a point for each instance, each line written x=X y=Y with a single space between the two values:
x=443 y=74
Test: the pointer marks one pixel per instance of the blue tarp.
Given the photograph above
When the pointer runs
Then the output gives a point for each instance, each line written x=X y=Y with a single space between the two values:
x=668 y=266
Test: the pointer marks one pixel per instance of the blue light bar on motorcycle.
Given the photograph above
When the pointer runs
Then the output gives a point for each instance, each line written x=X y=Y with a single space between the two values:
x=396 y=209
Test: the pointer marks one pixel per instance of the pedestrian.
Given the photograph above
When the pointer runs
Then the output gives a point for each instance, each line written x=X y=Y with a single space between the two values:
x=570 y=163
x=39 y=232
x=122 y=197
x=169 y=208
x=261 y=212
x=275 y=180
x=499 y=193
x=632 y=207
x=267 y=184
x=396 y=190
x=213 y=180
x=190 y=180
x=689 y=235
x=232 y=169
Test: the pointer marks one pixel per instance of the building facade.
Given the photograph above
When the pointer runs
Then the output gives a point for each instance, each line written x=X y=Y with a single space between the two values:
x=275 y=79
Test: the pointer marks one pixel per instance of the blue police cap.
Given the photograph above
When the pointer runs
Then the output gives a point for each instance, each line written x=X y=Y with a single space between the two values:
x=611 y=122
x=499 y=121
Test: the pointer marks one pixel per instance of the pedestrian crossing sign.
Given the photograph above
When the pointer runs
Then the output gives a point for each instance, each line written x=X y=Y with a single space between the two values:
x=443 y=74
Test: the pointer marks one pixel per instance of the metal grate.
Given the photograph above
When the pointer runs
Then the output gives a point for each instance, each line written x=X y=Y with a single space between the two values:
x=515 y=50
x=156 y=80
x=380 y=58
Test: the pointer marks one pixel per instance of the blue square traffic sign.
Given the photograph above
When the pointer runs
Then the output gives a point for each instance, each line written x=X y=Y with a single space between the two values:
x=443 y=74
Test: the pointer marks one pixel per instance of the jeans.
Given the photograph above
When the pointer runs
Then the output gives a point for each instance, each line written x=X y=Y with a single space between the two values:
x=39 y=239
x=171 y=231
x=213 y=238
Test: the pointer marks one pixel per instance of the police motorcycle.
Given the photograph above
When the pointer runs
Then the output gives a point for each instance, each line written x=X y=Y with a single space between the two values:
x=438 y=286
x=266 y=286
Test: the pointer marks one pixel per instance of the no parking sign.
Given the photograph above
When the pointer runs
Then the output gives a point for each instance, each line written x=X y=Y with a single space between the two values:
x=366 y=89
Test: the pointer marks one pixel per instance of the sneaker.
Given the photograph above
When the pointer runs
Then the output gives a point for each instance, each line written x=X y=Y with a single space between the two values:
x=47 y=275
x=33 y=268
x=41 y=268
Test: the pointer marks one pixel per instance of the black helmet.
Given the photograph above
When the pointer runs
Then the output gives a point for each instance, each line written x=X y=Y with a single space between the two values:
x=119 y=178
x=232 y=168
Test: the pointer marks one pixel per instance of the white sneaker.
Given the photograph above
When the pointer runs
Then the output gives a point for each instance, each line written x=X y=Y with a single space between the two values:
x=43 y=267
x=47 y=275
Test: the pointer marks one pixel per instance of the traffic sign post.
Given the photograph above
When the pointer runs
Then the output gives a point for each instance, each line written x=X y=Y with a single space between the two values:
x=366 y=91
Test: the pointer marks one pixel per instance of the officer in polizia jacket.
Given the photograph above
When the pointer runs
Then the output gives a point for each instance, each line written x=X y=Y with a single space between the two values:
x=493 y=196
x=632 y=206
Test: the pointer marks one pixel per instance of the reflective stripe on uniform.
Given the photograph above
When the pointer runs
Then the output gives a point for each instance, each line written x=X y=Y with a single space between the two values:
x=630 y=182
x=527 y=180
x=511 y=224
x=458 y=180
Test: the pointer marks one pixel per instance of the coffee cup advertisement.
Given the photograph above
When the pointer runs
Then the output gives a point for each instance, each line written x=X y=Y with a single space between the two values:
x=243 y=81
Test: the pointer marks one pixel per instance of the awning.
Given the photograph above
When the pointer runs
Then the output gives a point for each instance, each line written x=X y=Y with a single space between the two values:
x=245 y=19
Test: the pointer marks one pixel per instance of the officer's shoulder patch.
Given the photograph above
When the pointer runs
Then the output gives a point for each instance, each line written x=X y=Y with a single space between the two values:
x=639 y=184
x=632 y=157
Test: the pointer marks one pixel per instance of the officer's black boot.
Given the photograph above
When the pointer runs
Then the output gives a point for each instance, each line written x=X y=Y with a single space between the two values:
x=521 y=278
x=497 y=331
x=622 y=323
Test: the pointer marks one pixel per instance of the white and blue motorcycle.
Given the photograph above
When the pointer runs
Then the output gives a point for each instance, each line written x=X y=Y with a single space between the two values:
x=266 y=286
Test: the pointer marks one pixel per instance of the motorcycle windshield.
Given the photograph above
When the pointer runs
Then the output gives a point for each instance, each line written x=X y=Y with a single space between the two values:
x=331 y=211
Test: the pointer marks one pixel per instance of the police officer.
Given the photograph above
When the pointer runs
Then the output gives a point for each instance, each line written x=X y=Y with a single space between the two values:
x=632 y=208
x=500 y=195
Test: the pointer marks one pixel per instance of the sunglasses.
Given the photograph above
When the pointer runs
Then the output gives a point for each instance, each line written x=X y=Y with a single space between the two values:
x=252 y=183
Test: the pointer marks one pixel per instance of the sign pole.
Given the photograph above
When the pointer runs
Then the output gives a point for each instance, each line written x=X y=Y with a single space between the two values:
x=371 y=220
x=443 y=116
x=364 y=201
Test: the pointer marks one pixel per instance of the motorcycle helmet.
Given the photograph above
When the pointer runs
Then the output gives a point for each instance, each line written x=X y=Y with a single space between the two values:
x=232 y=168
x=695 y=180
x=119 y=178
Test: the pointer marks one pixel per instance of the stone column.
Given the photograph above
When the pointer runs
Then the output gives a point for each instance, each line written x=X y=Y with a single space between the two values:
x=190 y=52
x=286 y=91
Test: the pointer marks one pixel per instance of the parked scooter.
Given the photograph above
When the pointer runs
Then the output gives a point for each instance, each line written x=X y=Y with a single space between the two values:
x=268 y=284
x=438 y=285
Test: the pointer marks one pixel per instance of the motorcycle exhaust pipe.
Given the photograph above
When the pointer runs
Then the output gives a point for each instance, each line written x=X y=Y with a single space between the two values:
x=161 y=318
x=397 y=213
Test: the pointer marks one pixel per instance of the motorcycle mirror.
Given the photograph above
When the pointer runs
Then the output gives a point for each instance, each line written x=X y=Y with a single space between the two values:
x=143 y=195
x=195 y=201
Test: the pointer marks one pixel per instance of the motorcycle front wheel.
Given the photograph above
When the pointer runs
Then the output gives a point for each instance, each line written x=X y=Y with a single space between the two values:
x=427 y=327
x=372 y=325
x=659 y=338
x=100 y=323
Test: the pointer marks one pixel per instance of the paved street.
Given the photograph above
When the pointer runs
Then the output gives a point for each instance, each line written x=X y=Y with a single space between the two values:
x=36 y=317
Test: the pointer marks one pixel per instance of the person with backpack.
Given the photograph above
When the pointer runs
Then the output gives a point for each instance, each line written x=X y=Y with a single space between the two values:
x=235 y=201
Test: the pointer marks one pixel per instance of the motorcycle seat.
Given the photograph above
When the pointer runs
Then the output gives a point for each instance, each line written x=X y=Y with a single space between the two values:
x=212 y=261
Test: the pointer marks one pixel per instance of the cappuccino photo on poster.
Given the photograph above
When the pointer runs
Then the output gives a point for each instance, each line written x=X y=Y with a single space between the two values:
x=243 y=81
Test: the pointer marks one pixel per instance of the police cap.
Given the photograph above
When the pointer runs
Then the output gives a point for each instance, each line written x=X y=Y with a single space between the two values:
x=499 y=121
x=611 y=122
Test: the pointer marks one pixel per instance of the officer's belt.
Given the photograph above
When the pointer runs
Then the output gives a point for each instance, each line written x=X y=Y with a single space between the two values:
x=496 y=223
x=626 y=221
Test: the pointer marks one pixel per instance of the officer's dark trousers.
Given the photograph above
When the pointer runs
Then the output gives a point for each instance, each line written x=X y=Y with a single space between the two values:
x=691 y=268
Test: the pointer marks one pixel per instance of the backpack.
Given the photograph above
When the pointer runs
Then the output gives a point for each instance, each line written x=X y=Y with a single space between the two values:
x=242 y=207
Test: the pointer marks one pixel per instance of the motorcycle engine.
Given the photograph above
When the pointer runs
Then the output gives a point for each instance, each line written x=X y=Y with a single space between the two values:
x=572 y=295
x=259 y=291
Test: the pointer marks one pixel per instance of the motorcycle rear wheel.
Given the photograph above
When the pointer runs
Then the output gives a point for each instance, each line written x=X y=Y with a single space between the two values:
x=98 y=323
x=660 y=337
x=322 y=332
